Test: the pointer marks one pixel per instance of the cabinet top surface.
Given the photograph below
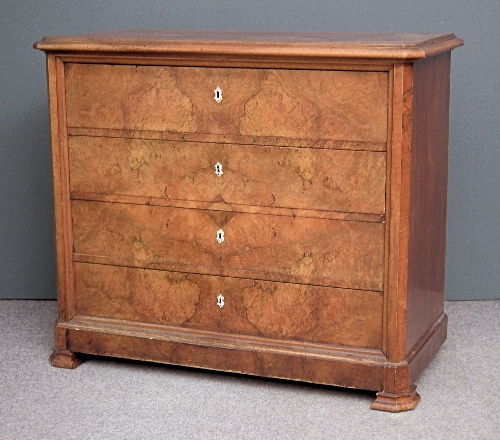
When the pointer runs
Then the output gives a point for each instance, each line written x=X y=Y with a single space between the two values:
x=286 y=44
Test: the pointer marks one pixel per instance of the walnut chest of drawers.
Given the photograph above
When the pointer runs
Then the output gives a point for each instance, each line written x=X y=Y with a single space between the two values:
x=268 y=204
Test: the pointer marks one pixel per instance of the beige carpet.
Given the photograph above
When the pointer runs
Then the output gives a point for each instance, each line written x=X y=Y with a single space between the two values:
x=110 y=399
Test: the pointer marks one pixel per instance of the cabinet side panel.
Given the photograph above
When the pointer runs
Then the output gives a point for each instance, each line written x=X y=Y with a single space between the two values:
x=429 y=167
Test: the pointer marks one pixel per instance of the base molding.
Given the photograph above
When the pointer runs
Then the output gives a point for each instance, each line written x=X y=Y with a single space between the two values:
x=397 y=402
x=352 y=368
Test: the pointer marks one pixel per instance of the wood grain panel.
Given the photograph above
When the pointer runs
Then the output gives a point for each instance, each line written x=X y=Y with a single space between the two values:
x=341 y=253
x=428 y=190
x=348 y=105
x=338 y=180
x=319 y=104
x=257 y=308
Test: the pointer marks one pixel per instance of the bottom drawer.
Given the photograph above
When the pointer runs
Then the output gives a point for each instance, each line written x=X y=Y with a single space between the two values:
x=257 y=308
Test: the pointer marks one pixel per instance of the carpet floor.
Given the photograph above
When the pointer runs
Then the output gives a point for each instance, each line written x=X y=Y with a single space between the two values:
x=115 y=399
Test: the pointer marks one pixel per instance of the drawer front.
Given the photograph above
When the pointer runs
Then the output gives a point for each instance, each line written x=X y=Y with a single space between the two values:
x=305 y=250
x=335 y=180
x=256 y=308
x=334 y=105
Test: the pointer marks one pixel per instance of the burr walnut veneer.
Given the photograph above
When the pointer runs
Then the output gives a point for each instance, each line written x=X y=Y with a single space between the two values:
x=269 y=204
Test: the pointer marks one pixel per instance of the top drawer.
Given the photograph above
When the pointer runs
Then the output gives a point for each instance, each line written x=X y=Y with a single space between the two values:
x=334 y=105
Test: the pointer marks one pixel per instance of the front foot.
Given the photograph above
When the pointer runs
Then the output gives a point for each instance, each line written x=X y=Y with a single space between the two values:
x=64 y=359
x=397 y=402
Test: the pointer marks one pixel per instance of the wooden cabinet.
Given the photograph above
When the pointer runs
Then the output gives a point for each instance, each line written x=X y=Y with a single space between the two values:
x=269 y=204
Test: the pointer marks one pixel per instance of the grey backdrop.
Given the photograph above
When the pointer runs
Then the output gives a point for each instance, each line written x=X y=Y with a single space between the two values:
x=27 y=261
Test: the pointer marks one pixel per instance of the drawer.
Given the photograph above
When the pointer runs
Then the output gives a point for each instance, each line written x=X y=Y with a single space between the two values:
x=256 y=308
x=303 y=250
x=302 y=178
x=338 y=105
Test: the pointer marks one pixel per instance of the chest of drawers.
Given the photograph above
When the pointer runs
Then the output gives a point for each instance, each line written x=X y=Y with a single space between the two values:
x=268 y=204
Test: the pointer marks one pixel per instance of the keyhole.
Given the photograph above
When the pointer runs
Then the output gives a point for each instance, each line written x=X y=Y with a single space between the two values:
x=218 y=95
x=220 y=236
x=218 y=169
x=220 y=301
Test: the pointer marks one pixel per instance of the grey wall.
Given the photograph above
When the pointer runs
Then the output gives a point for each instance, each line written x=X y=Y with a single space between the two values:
x=27 y=268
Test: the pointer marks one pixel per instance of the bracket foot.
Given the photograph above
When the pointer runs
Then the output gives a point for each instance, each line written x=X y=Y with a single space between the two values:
x=397 y=402
x=64 y=359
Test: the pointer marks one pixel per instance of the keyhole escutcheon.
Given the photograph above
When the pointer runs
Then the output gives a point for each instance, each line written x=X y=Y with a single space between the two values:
x=220 y=301
x=218 y=95
x=218 y=169
x=220 y=236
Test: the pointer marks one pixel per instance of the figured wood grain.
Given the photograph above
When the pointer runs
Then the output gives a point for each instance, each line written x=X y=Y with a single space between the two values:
x=301 y=178
x=343 y=254
x=300 y=279
x=289 y=103
x=259 y=308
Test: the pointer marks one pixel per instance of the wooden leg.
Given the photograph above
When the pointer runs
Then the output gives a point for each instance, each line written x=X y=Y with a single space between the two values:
x=397 y=402
x=64 y=359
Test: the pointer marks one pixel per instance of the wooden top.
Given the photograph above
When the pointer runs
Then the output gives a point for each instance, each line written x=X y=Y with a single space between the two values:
x=338 y=45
